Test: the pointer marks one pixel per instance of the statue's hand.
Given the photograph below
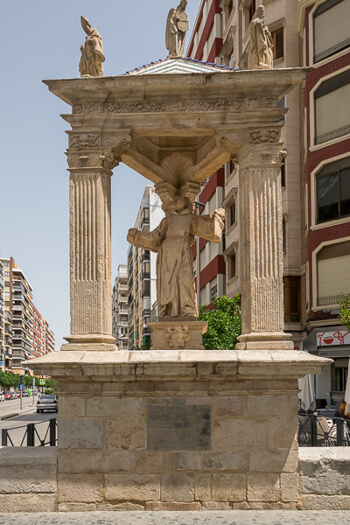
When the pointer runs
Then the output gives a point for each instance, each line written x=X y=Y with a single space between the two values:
x=131 y=235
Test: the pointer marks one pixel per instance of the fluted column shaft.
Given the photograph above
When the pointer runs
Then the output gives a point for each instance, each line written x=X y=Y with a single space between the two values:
x=90 y=257
x=261 y=248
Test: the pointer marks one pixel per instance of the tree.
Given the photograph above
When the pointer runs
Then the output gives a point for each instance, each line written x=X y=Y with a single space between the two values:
x=344 y=315
x=224 y=323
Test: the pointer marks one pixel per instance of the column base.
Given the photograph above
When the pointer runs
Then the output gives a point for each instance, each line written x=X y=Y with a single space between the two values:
x=181 y=334
x=89 y=342
x=265 y=341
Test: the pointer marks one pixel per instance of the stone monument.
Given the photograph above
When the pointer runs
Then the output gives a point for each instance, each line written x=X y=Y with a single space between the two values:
x=171 y=428
x=260 y=54
x=175 y=31
x=92 y=55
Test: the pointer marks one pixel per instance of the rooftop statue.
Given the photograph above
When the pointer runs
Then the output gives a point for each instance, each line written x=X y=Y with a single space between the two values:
x=260 y=55
x=175 y=33
x=172 y=239
x=91 y=52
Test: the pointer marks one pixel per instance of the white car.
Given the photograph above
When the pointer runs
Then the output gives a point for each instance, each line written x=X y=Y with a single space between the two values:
x=2 y=397
x=47 y=402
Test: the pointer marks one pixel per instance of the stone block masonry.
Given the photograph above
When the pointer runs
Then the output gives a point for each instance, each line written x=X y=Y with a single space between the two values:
x=178 y=430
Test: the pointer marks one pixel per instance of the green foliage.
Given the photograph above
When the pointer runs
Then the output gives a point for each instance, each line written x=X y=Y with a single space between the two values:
x=224 y=323
x=344 y=315
x=10 y=380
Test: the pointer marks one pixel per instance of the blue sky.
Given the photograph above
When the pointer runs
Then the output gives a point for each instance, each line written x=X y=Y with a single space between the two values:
x=41 y=40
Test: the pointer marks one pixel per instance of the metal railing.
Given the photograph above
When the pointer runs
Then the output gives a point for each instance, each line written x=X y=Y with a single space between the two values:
x=317 y=431
x=31 y=436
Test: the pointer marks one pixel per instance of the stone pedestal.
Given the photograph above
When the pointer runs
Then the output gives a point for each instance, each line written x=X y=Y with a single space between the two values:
x=178 y=335
x=178 y=430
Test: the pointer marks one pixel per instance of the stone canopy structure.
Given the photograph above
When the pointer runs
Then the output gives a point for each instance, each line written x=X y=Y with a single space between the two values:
x=177 y=129
x=172 y=429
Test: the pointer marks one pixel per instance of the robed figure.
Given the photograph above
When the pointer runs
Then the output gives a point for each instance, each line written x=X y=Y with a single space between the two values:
x=260 y=54
x=175 y=33
x=92 y=55
x=173 y=239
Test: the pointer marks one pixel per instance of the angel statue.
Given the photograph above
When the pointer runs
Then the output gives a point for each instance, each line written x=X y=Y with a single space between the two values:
x=260 y=54
x=92 y=55
x=175 y=33
x=172 y=239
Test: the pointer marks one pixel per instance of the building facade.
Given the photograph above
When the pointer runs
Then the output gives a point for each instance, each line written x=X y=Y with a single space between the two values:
x=142 y=276
x=2 y=318
x=120 y=317
x=221 y=35
x=323 y=26
x=26 y=333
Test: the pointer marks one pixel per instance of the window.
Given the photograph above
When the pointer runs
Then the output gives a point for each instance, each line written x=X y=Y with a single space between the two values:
x=332 y=108
x=232 y=213
x=283 y=173
x=232 y=265
x=331 y=28
x=292 y=295
x=213 y=292
x=339 y=370
x=284 y=234
x=333 y=276
x=333 y=191
x=277 y=37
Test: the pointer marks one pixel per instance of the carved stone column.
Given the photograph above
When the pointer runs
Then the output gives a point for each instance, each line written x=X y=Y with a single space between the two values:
x=261 y=240
x=90 y=246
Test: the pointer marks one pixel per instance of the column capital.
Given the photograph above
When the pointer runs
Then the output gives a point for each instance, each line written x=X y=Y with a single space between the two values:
x=262 y=155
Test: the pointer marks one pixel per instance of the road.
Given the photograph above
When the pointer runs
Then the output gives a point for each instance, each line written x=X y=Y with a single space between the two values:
x=24 y=417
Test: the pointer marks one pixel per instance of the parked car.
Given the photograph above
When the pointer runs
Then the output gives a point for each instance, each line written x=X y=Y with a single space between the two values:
x=25 y=393
x=47 y=402
x=9 y=395
x=2 y=397
x=18 y=395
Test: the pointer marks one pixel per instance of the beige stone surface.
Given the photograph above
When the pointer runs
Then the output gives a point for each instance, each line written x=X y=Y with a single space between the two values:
x=15 y=479
x=126 y=433
x=72 y=406
x=229 y=487
x=77 y=507
x=240 y=433
x=133 y=487
x=172 y=506
x=229 y=406
x=79 y=488
x=185 y=461
x=233 y=460
x=29 y=502
x=274 y=460
x=152 y=462
x=80 y=433
x=316 y=502
x=290 y=486
x=177 y=487
x=177 y=335
x=216 y=505
x=263 y=487
x=202 y=487
x=79 y=461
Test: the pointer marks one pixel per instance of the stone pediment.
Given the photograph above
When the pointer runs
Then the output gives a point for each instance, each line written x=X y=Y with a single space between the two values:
x=179 y=65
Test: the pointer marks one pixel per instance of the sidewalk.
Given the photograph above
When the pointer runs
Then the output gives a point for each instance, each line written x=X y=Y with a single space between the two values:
x=233 y=517
x=8 y=410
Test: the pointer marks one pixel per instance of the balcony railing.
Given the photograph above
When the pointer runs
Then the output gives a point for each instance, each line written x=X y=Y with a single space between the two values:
x=329 y=300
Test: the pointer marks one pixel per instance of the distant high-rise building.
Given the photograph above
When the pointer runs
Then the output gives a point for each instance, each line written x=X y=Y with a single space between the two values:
x=142 y=278
x=120 y=320
x=2 y=318
x=26 y=332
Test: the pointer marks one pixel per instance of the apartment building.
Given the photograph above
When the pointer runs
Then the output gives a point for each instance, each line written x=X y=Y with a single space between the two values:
x=221 y=35
x=2 y=319
x=26 y=333
x=323 y=26
x=142 y=276
x=120 y=318
x=7 y=265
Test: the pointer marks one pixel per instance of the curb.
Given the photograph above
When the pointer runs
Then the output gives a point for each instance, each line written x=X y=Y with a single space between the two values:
x=15 y=414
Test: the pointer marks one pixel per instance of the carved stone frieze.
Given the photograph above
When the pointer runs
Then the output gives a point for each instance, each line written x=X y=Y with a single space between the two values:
x=261 y=155
x=262 y=136
x=142 y=106
x=87 y=159
x=84 y=140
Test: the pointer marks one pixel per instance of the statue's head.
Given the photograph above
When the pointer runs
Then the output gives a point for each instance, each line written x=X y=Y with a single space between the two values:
x=183 y=4
x=85 y=24
x=260 y=11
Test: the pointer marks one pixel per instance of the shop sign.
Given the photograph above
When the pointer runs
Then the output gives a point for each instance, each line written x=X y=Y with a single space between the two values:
x=333 y=338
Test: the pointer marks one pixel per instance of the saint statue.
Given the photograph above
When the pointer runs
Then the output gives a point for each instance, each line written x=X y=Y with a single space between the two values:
x=175 y=33
x=172 y=239
x=91 y=52
x=260 y=54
